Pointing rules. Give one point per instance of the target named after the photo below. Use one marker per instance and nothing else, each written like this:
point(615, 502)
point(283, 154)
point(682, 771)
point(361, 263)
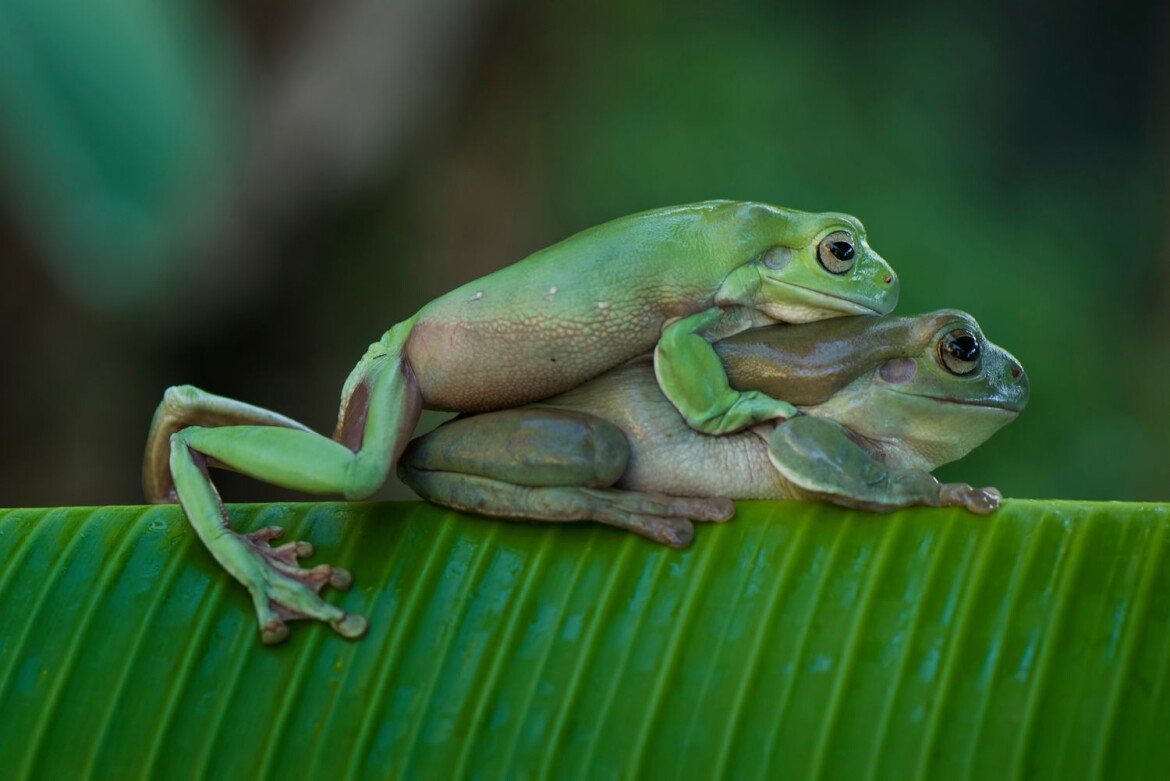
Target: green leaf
point(799, 640)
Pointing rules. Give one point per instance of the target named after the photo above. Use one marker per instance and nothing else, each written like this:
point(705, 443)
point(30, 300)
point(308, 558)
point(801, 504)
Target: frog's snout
point(1016, 383)
point(890, 288)
point(885, 285)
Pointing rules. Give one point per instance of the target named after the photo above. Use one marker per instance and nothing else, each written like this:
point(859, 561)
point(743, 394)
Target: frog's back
point(566, 313)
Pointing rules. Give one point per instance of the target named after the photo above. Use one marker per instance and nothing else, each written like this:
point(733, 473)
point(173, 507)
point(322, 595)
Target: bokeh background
point(242, 195)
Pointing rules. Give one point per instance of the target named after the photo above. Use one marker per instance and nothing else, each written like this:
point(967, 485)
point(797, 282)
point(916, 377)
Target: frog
point(884, 402)
point(532, 330)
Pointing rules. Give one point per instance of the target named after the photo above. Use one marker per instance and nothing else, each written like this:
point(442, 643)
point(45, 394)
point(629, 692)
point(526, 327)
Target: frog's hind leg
point(380, 404)
point(183, 406)
point(549, 465)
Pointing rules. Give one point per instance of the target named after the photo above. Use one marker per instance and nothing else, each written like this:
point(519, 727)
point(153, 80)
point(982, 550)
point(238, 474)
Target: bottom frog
point(885, 400)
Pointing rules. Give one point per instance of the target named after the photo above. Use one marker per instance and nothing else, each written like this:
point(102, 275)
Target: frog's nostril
point(1015, 372)
point(889, 280)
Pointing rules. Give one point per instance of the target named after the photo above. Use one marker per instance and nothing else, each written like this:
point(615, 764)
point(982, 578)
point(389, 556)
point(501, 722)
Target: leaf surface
point(799, 640)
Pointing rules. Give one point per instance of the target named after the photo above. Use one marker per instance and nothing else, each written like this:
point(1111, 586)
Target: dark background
point(243, 195)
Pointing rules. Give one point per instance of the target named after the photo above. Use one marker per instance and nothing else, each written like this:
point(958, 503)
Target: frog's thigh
point(819, 456)
point(546, 465)
point(535, 447)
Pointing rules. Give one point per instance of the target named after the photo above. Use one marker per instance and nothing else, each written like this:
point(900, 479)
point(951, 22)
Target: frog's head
point(806, 266)
point(931, 385)
point(944, 393)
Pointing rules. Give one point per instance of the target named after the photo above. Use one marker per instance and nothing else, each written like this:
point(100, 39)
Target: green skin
point(882, 409)
point(529, 331)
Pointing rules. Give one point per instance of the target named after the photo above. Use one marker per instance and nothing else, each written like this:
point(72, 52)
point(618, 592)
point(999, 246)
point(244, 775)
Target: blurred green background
point(243, 195)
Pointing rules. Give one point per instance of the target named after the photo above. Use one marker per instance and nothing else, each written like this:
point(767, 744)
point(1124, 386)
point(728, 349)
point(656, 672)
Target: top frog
point(534, 329)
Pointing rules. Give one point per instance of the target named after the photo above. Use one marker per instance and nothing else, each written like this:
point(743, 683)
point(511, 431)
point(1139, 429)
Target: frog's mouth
point(1008, 406)
point(814, 305)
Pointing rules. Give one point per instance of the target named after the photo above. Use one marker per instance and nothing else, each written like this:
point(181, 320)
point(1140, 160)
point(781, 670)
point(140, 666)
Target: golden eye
point(836, 252)
point(958, 352)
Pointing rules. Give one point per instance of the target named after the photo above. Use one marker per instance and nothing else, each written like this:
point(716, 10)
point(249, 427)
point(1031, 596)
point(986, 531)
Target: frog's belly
point(735, 466)
point(666, 455)
point(486, 365)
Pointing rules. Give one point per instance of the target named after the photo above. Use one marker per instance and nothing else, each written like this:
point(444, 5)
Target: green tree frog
point(885, 401)
point(531, 330)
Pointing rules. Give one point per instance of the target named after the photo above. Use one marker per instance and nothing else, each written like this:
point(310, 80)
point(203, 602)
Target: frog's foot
point(978, 500)
point(659, 517)
point(665, 519)
point(284, 591)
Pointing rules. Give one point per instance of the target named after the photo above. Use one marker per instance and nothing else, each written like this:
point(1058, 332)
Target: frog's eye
point(958, 351)
point(836, 252)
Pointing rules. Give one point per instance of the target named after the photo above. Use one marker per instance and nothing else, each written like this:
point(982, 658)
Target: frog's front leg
point(691, 375)
point(819, 456)
point(380, 405)
point(546, 464)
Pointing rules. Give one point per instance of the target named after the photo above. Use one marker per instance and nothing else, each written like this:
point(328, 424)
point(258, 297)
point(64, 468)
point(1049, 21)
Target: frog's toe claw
point(715, 509)
point(290, 552)
point(273, 631)
point(676, 532)
point(981, 501)
point(340, 579)
point(672, 532)
point(265, 534)
point(284, 591)
point(350, 626)
point(320, 575)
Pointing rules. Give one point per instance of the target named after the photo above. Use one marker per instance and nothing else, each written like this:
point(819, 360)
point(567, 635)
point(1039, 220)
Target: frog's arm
point(379, 401)
point(692, 376)
point(560, 466)
point(818, 455)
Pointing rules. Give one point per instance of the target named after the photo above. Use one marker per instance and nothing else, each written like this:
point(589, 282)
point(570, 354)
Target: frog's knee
point(393, 342)
point(566, 447)
point(611, 451)
point(178, 398)
point(364, 477)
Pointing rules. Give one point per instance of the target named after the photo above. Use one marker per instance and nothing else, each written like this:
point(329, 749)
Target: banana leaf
point(797, 641)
